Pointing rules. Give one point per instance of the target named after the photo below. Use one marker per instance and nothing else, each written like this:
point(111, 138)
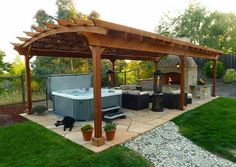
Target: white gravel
point(165, 146)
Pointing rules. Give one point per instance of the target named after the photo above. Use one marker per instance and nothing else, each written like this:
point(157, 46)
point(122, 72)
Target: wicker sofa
point(171, 100)
point(134, 99)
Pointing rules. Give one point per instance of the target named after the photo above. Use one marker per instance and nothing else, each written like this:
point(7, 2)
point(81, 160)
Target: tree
point(66, 9)
point(49, 65)
point(216, 30)
point(94, 15)
point(220, 32)
point(4, 67)
point(17, 67)
point(41, 17)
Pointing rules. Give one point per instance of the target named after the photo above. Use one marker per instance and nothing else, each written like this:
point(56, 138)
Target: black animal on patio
point(67, 121)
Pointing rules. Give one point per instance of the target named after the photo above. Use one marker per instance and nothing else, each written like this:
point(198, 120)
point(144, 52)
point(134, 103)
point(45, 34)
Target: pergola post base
point(182, 83)
point(28, 85)
point(98, 141)
point(214, 69)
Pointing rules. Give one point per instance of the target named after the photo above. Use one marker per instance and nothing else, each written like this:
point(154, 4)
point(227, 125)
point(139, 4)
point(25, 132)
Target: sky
point(17, 15)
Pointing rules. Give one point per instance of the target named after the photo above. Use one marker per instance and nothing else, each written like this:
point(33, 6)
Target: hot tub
point(78, 103)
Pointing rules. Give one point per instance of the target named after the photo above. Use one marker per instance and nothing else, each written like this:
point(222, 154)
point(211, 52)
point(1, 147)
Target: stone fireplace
point(170, 67)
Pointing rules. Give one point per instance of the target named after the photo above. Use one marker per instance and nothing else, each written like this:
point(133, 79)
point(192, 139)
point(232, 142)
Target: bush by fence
point(12, 89)
point(230, 76)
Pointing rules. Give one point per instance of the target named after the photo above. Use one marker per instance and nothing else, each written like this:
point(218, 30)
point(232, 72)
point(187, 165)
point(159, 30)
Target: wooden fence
point(229, 61)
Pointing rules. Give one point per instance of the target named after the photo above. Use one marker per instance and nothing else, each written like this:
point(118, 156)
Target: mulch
point(10, 114)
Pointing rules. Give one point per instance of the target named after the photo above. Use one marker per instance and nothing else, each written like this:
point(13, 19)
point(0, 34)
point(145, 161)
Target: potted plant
point(110, 130)
point(87, 131)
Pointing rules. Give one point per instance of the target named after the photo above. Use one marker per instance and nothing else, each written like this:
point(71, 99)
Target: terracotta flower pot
point(110, 134)
point(87, 135)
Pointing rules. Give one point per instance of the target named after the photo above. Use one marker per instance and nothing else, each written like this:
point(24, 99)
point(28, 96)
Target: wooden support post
point(125, 76)
point(98, 139)
point(28, 86)
point(22, 88)
point(155, 65)
point(214, 70)
point(182, 83)
point(114, 75)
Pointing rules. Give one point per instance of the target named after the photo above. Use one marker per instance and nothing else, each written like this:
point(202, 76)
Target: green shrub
point(230, 76)
point(39, 109)
point(86, 127)
point(35, 86)
point(109, 126)
point(208, 69)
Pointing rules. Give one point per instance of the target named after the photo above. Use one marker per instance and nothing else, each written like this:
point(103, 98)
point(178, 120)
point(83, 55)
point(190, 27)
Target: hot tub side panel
point(82, 110)
point(63, 106)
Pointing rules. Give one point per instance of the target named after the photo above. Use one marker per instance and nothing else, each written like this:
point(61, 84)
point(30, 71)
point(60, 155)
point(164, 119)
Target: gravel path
point(165, 146)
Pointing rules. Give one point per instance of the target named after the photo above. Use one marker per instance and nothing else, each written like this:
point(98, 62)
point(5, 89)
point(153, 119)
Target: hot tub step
point(114, 115)
point(110, 108)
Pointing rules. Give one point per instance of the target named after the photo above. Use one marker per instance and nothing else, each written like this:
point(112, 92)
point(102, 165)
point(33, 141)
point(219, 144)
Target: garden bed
point(9, 114)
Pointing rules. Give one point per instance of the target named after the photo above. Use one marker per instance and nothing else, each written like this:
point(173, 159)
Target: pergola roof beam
point(64, 22)
point(114, 42)
point(83, 22)
point(51, 25)
point(39, 29)
point(23, 39)
point(130, 30)
point(31, 34)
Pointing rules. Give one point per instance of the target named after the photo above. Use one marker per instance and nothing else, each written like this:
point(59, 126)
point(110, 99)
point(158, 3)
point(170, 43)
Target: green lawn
point(29, 144)
point(212, 126)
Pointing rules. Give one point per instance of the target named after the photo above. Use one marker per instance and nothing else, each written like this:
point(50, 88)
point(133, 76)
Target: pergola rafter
point(98, 40)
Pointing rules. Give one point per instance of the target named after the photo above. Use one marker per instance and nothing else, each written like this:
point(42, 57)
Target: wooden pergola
point(98, 40)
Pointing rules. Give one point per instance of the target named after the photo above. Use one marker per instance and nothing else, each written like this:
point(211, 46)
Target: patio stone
point(121, 127)
point(121, 136)
point(77, 137)
point(96, 149)
point(51, 126)
point(60, 131)
point(139, 127)
point(146, 118)
point(157, 122)
point(125, 122)
point(48, 122)
point(156, 114)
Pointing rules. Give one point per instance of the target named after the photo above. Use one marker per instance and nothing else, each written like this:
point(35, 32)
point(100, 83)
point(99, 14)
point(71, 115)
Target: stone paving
point(136, 123)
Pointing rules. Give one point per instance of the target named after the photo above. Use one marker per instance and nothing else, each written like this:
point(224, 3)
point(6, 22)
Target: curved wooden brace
point(96, 30)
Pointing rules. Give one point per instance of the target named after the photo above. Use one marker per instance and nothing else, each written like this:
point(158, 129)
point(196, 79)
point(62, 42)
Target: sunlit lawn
point(212, 126)
point(29, 144)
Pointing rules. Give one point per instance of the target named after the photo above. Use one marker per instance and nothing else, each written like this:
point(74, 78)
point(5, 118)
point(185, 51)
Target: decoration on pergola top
point(73, 37)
